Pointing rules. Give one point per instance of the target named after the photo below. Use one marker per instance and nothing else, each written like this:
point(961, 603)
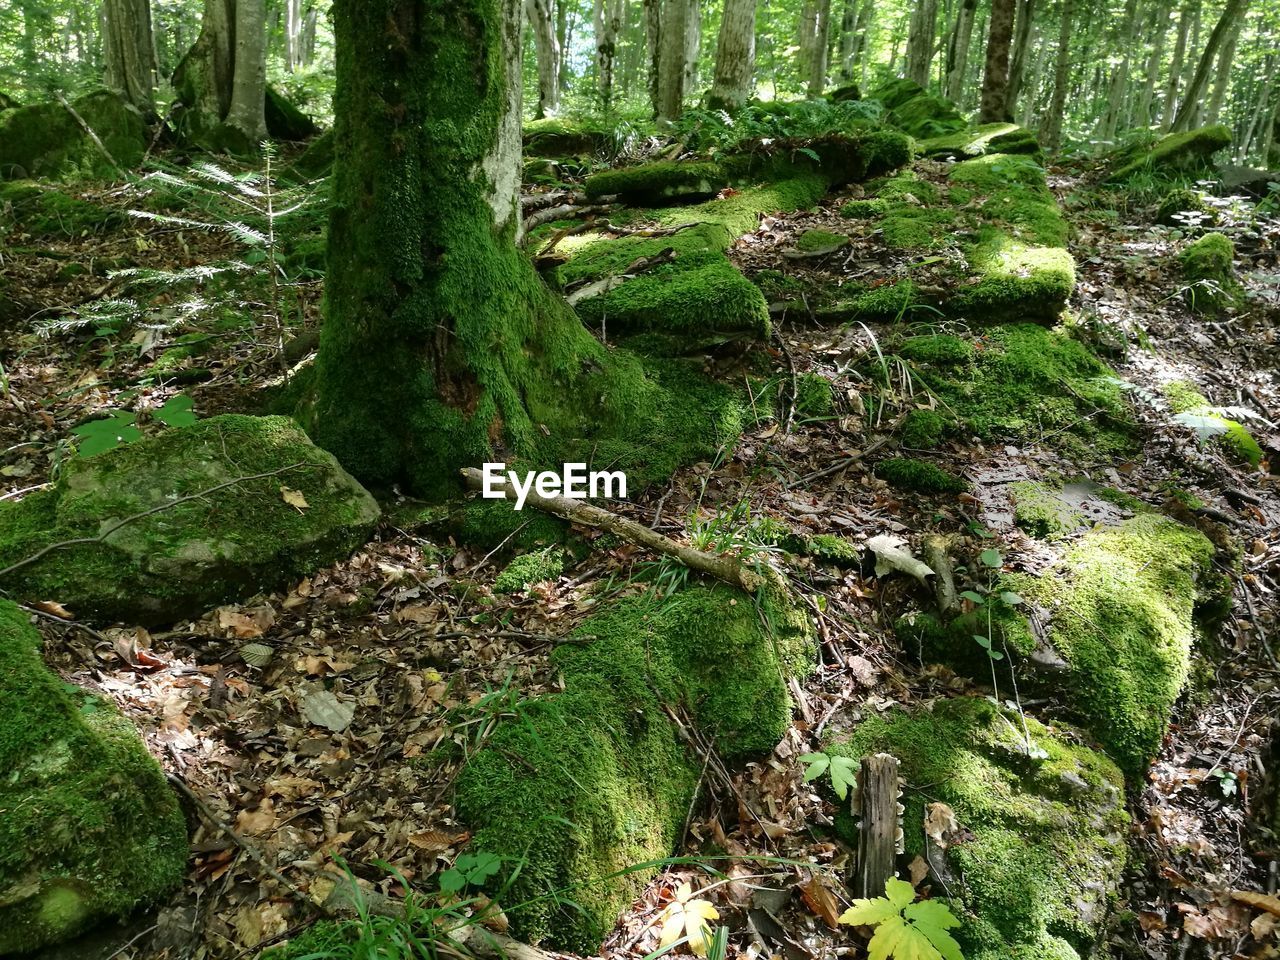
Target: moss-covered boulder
point(662, 181)
point(172, 525)
point(1037, 847)
point(566, 137)
point(918, 476)
point(1207, 266)
point(89, 829)
point(1188, 152)
point(1120, 608)
point(284, 120)
point(1008, 138)
point(926, 116)
point(1184, 207)
point(590, 782)
point(44, 139)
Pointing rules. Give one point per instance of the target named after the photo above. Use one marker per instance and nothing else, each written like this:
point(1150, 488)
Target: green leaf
point(914, 944)
point(843, 775)
point(995, 654)
point(974, 597)
point(815, 765)
point(176, 412)
point(888, 937)
point(1011, 598)
point(935, 913)
point(452, 880)
point(984, 642)
point(98, 436)
point(899, 892)
point(991, 558)
point(868, 913)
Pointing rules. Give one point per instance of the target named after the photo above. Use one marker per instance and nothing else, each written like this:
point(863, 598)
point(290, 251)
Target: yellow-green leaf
point(931, 912)
point(869, 912)
point(899, 892)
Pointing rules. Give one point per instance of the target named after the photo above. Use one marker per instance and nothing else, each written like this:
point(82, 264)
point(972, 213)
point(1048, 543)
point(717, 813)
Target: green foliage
point(528, 569)
point(904, 928)
point(469, 870)
point(918, 476)
point(842, 771)
point(99, 436)
point(702, 129)
point(1191, 409)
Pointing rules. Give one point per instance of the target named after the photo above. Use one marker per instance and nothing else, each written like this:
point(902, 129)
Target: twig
point(89, 130)
point(79, 541)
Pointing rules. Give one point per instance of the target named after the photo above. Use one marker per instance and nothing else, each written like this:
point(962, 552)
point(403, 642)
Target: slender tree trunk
point(1120, 79)
point(1257, 116)
point(848, 24)
point(1021, 50)
point(692, 46)
point(547, 49)
point(130, 52)
point(1051, 128)
point(562, 43)
point(818, 54)
point(246, 113)
point(608, 22)
point(921, 37)
point(1175, 67)
point(309, 36)
point(995, 77)
point(653, 46)
point(958, 50)
point(735, 55)
point(1222, 82)
point(672, 50)
point(1231, 13)
point(1161, 30)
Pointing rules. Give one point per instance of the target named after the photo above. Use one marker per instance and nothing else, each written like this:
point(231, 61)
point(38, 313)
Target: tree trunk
point(608, 23)
point(958, 50)
point(672, 51)
point(1175, 68)
point(653, 45)
point(1232, 13)
point(221, 82)
point(1051, 128)
point(130, 52)
point(848, 25)
point(818, 53)
point(735, 56)
point(1222, 81)
point(1161, 30)
point(920, 40)
point(547, 49)
point(247, 113)
point(995, 77)
point(692, 46)
point(1120, 79)
point(1021, 50)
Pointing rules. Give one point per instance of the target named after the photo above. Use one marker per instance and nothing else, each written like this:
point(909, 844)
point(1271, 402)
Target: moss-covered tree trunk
point(442, 347)
point(221, 81)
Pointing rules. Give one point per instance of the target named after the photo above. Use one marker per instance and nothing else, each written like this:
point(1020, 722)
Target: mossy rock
point(90, 829)
point(1207, 266)
point(845, 92)
point(1008, 138)
point(1040, 846)
point(42, 212)
point(182, 559)
point(1184, 207)
point(284, 120)
point(587, 783)
point(1193, 409)
point(659, 182)
point(896, 92)
point(566, 137)
point(1041, 511)
point(44, 140)
point(1121, 607)
point(887, 302)
point(1189, 151)
point(819, 242)
point(918, 476)
point(922, 430)
point(927, 116)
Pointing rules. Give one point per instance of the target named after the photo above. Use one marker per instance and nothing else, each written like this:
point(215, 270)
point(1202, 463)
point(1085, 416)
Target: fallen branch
point(89, 130)
point(722, 566)
point(566, 211)
point(598, 288)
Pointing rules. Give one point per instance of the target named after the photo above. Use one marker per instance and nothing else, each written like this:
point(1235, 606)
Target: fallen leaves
point(687, 917)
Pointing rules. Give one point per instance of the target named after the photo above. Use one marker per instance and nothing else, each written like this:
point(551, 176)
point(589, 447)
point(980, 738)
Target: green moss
point(1207, 268)
point(918, 476)
point(888, 301)
point(657, 182)
point(940, 350)
point(1177, 203)
point(896, 92)
point(44, 212)
point(1016, 281)
point(814, 398)
point(917, 228)
point(45, 140)
point(187, 555)
point(1031, 383)
point(1185, 400)
point(1041, 850)
point(1009, 138)
point(922, 430)
point(90, 829)
point(1187, 151)
point(530, 568)
point(777, 286)
point(1040, 510)
point(489, 524)
point(592, 781)
point(814, 240)
point(829, 548)
point(567, 136)
point(925, 115)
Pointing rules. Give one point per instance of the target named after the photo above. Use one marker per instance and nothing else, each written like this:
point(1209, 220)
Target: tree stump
point(877, 805)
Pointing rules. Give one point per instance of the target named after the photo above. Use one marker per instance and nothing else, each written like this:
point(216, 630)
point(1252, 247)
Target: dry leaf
point(1259, 901)
point(821, 901)
point(54, 609)
point(918, 870)
point(322, 708)
point(259, 820)
point(940, 823)
point(294, 498)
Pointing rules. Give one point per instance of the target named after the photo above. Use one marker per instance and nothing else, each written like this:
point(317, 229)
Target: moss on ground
point(90, 829)
point(1183, 207)
point(187, 555)
point(43, 212)
point(815, 241)
point(926, 115)
point(1190, 150)
point(567, 136)
point(1185, 400)
point(1028, 382)
point(1040, 510)
point(658, 182)
point(814, 397)
point(1207, 266)
point(588, 783)
point(1040, 848)
point(1008, 138)
point(918, 476)
point(530, 568)
point(922, 430)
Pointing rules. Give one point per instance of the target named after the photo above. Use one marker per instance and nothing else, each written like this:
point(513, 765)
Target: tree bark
point(995, 78)
point(130, 52)
point(818, 53)
point(1021, 50)
point(848, 25)
point(958, 50)
point(1160, 28)
point(1051, 128)
point(672, 51)
point(653, 46)
point(1222, 82)
point(877, 807)
point(1175, 67)
point(221, 81)
point(735, 56)
point(547, 48)
point(920, 40)
point(1231, 13)
point(608, 23)
point(247, 113)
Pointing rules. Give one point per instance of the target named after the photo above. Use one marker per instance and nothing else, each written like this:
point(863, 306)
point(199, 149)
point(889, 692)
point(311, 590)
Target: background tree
point(221, 82)
point(995, 77)
point(735, 55)
point(130, 52)
point(542, 25)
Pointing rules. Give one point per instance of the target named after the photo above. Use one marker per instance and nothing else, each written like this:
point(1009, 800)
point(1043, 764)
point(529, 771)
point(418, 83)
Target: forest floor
point(412, 634)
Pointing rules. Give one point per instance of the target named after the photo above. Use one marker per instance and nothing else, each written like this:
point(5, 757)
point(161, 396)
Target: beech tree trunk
point(819, 50)
point(221, 82)
point(1051, 128)
point(1232, 13)
point(608, 23)
point(673, 45)
point(1160, 28)
point(1021, 50)
point(920, 40)
point(1222, 82)
point(130, 52)
point(1119, 87)
point(958, 50)
point(848, 26)
point(1175, 67)
point(995, 77)
point(547, 48)
point(735, 56)
point(653, 48)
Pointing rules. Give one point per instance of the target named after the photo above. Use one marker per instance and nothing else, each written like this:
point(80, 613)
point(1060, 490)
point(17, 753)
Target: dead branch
point(97, 142)
point(600, 287)
point(722, 566)
point(566, 211)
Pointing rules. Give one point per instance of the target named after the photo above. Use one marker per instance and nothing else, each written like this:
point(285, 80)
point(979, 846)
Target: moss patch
point(1191, 150)
point(1007, 138)
point(1184, 207)
point(657, 182)
point(90, 828)
point(918, 476)
point(1194, 409)
point(1207, 268)
point(814, 397)
point(42, 212)
point(44, 140)
point(1040, 510)
point(530, 568)
point(185, 558)
point(1040, 849)
point(922, 430)
point(594, 780)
